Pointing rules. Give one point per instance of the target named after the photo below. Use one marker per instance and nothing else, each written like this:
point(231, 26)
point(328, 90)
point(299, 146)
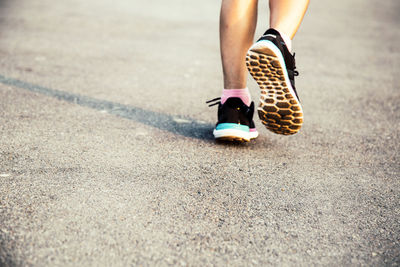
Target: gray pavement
point(107, 157)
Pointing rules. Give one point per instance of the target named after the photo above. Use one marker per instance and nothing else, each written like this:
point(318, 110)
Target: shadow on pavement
point(175, 124)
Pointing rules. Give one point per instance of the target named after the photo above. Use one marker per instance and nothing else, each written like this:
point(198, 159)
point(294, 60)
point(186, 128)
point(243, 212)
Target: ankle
point(287, 41)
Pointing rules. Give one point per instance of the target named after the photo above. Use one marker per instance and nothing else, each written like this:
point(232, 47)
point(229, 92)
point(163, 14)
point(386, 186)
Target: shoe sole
point(232, 135)
point(279, 109)
point(253, 135)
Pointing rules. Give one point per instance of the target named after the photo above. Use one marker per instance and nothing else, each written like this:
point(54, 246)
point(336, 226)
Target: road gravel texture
point(106, 149)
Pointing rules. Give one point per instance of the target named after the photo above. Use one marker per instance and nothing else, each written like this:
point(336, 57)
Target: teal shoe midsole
point(232, 126)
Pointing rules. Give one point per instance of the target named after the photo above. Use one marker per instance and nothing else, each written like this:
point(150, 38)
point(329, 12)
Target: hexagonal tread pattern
point(278, 110)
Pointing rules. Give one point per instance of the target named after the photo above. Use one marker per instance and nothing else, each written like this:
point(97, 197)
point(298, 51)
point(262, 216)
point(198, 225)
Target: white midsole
point(231, 133)
point(253, 135)
point(270, 45)
point(235, 133)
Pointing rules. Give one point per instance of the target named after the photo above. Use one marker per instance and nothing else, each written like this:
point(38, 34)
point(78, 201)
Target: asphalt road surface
point(107, 156)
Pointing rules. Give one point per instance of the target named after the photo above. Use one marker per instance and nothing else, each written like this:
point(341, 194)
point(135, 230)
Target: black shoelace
point(214, 101)
point(295, 72)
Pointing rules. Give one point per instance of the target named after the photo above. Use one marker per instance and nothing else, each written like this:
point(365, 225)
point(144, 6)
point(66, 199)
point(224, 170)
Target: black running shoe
point(235, 120)
point(273, 67)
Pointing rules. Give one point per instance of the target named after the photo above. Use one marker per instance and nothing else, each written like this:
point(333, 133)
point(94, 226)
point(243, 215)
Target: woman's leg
point(286, 15)
point(238, 21)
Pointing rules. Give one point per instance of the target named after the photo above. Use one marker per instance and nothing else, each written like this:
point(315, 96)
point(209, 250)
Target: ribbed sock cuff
point(243, 94)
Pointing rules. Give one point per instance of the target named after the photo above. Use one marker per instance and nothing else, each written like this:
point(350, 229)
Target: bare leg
point(238, 21)
point(286, 15)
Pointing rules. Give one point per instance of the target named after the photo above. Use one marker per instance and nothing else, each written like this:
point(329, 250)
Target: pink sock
point(287, 41)
point(241, 93)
